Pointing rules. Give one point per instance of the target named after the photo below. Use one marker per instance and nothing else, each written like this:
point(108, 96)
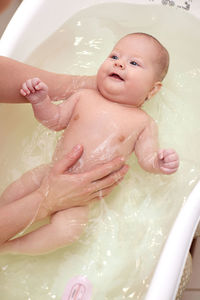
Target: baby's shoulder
point(142, 119)
point(148, 120)
point(141, 115)
point(149, 123)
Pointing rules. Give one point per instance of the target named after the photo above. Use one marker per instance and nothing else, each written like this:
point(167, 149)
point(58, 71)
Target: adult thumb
point(68, 160)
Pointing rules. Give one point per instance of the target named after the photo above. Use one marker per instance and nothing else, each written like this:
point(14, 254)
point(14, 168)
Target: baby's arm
point(55, 117)
point(149, 156)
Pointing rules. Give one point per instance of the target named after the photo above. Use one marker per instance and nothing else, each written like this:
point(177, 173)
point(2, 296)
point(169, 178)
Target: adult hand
point(61, 189)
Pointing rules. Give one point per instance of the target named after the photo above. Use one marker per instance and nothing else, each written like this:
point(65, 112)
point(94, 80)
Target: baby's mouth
point(116, 76)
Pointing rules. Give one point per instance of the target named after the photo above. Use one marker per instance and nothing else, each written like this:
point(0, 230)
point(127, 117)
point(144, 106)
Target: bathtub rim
point(171, 256)
point(29, 11)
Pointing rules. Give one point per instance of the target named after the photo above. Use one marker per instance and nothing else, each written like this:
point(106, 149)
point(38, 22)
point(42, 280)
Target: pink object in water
point(78, 288)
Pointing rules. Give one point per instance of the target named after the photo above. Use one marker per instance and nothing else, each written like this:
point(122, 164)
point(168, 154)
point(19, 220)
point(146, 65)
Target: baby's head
point(134, 70)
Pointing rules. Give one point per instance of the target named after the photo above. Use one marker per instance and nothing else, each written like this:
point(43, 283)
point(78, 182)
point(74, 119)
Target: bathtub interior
point(132, 222)
point(31, 14)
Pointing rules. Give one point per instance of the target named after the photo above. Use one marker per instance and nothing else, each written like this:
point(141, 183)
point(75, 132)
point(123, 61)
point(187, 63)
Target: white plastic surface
point(33, 22)
point(168, 273)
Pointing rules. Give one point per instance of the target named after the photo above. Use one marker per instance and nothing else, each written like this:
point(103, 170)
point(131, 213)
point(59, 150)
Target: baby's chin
point(114, 96)
point(108, 95)
point(110, 92)
point(117, 97)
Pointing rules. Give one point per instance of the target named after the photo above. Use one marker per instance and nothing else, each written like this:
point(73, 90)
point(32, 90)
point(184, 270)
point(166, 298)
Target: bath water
point(126, 232)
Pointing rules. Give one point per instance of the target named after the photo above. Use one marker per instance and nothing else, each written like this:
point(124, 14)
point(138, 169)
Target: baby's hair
point(163, 57)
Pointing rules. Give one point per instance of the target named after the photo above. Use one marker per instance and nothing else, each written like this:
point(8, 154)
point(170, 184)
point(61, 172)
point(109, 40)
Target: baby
point(108, 122)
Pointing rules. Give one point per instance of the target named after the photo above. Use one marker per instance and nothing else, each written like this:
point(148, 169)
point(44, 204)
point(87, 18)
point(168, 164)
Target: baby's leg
point(65, 227)
point(26, 184)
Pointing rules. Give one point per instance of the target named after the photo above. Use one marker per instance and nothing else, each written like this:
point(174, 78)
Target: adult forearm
point(14, 73)
point(4, 4)
point(17, 215)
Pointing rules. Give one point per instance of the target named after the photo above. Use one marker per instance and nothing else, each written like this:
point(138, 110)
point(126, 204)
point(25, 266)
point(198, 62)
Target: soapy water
point(121, 245)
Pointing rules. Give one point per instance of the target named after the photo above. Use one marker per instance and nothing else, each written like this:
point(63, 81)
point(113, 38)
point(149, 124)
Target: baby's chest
point(101, 123)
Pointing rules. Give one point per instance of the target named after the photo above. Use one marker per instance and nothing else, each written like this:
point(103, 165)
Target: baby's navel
point(76, 117)
point(121, 138)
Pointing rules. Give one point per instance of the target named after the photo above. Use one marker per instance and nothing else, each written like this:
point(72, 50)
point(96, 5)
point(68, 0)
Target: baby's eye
point(133, 62)
point(114, 57)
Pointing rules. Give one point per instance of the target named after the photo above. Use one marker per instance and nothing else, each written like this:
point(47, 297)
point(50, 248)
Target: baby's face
point(128, 75)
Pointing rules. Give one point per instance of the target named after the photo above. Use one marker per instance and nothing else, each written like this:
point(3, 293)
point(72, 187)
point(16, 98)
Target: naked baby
point(108, 122)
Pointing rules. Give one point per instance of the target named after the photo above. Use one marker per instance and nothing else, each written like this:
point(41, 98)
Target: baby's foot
point(34, 90)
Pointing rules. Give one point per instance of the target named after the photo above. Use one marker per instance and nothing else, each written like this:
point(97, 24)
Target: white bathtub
point(23, 34)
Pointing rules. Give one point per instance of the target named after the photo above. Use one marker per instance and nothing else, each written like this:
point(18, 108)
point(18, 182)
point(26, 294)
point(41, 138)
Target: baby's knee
point(70, 223)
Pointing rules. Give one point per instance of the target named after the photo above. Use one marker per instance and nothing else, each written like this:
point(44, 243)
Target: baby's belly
point(97, 149)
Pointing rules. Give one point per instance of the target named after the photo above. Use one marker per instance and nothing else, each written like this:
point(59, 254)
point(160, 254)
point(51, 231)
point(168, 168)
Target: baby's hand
point(168, 161)
point(34, 90)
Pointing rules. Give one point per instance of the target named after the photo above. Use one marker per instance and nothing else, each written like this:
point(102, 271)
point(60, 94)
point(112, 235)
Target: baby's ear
point(155, 89)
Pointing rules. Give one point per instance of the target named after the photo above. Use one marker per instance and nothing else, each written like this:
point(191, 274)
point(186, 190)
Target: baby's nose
point(119, 64)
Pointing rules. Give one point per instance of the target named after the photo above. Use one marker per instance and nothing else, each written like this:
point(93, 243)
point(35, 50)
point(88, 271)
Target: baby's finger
point(171, 165)
point(160, 154)
point(22, 92)
point(35, 81)
point(168, 171)
point(168, 151)
point(38, 86)
point(30, 85)
point(171, 157)
point(25, 88)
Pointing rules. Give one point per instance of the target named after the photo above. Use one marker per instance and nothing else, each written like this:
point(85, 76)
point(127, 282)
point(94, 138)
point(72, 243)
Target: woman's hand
point(61, 189)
